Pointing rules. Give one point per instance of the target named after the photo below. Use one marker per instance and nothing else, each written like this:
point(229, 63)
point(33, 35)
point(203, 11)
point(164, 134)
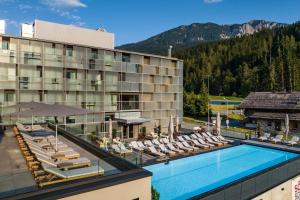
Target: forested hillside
point(265, 61)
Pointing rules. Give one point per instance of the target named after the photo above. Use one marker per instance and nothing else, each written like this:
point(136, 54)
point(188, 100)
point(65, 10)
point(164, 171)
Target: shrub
point(154, 194)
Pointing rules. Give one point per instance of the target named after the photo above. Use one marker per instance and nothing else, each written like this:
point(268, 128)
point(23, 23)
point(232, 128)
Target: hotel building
point(54, 63)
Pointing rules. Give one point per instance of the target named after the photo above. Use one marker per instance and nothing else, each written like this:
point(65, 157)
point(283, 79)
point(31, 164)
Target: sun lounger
point(293, 141)
point(165, 140)
point(74, 173)
point(209, 134)
point(187, 138)
point(193, 136)
point(264, 137)
point(172, 148)
point(197, 144)
point(124, 149)
point(72, 162)
point(277, 138)
point(205, 135)
point(224, 139)
point(153, 151)
point(180, 138)
point(141, 145)
point(209, 140)
point(165, 150)
point(180, 146)
point(135, 146)
point(214, 138)
point(148, 143)
point(152, 135)
point(199, 135)
point(201, 141)
point(156, 142)
point(189, 146)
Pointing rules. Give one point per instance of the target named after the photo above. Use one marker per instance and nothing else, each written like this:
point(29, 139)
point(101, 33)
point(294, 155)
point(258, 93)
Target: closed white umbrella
point(177, 124)
point(110, 129)
point(287, 126)
point(218, 124)
point(171, 128)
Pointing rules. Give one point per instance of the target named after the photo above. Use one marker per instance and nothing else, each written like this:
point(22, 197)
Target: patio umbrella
point(171, 128)
point(177, 124)
point(218, 124)
point(110, 129)
point(287, 126)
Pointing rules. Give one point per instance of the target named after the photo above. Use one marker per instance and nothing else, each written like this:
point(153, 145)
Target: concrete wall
point(283, 191)
point(140, 188)
point(71, 34)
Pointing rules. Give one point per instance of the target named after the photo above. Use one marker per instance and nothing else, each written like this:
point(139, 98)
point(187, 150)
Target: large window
point(9, 96)
point(5, 43)
point(69, 51)
point(125, 57)
point(129, 102)
point(71, 74)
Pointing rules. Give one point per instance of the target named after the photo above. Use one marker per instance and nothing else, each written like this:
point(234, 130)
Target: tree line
point(265, 61)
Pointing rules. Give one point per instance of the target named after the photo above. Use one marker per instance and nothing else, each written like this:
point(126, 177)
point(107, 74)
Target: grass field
point(219, 108)
point(230, 98)
point(193, 121)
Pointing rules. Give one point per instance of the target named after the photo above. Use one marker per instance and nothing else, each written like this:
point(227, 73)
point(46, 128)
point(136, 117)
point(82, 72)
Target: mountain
point(268, 60)
point(191, 35)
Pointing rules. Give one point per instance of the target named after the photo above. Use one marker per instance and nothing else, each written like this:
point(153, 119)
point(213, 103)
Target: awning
point(47, 110)
point(129, 121)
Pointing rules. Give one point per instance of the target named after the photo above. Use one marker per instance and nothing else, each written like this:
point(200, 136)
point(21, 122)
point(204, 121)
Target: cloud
point(75, 18)
point(64, 3)
point(24, 7)
point(212, 1)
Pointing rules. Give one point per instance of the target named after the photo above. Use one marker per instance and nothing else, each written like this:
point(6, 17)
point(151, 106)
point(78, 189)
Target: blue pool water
point(191, 176)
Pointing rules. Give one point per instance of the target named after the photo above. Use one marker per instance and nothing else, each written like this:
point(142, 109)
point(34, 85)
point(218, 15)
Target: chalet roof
point(270, 100)
point(274, 115)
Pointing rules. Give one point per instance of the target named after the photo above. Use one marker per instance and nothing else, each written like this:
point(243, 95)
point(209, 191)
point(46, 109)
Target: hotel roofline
point(94, 47)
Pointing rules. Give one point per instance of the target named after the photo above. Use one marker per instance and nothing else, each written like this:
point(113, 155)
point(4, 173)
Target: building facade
point(269, 110)
point(137, 91)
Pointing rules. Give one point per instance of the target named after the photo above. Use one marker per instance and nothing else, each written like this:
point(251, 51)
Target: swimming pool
point(191, 176)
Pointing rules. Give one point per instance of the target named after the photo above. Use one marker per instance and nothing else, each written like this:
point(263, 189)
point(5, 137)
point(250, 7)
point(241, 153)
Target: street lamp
point(227, 119)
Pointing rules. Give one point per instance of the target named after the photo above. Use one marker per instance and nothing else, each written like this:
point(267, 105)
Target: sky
point(136, 20)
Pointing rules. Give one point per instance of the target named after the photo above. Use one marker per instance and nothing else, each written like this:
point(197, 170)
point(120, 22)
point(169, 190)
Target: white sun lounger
point(148, 143)
point(264, 137)
point(199, 135)
point(277, 138)
point(189, 146)
point(153, 151)
point(172, 148)
point(156, 142)
point(180, 138)
point(201, 141)
point(180, 146)
point(187, 138)
point(214, 138)
point(197, 144)
point(193, 136)
point(224, 139)
point(135, 146)
point(209, 140)
point(209, 134)
point(124, 149)
point(74, 173)
point(141, 145)
point(165, 150)
point(205, 135)
point(293, 141)
point(74, 162)
point(165, 140)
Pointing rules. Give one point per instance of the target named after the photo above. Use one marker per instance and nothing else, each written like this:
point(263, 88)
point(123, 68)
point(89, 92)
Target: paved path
point(14, 174)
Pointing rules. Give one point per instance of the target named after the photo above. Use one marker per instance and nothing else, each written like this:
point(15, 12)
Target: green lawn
point(236, 117)
point(219, 108)
point(230, 98)
point(193, 121)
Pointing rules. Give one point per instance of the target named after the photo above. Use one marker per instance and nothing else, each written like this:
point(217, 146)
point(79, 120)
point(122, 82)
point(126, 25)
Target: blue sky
point(135, 20)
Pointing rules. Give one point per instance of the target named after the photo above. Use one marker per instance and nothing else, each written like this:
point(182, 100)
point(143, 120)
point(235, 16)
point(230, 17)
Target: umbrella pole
point(31, 122)
point(56, 137)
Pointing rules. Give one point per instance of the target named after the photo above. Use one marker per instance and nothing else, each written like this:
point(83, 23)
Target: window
point(175, 97)
point(40, 96)
point(71, 74)
point(125, 57)
point(174, 63)
point(151, 78)
point(92, 64)
point(5, 43)
point(94, 53)
point(147, 60)
point(138, 68)
point(40, 71)
point(69, 51)
point(122, 77)
point(9, 96)
point(157, 70)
